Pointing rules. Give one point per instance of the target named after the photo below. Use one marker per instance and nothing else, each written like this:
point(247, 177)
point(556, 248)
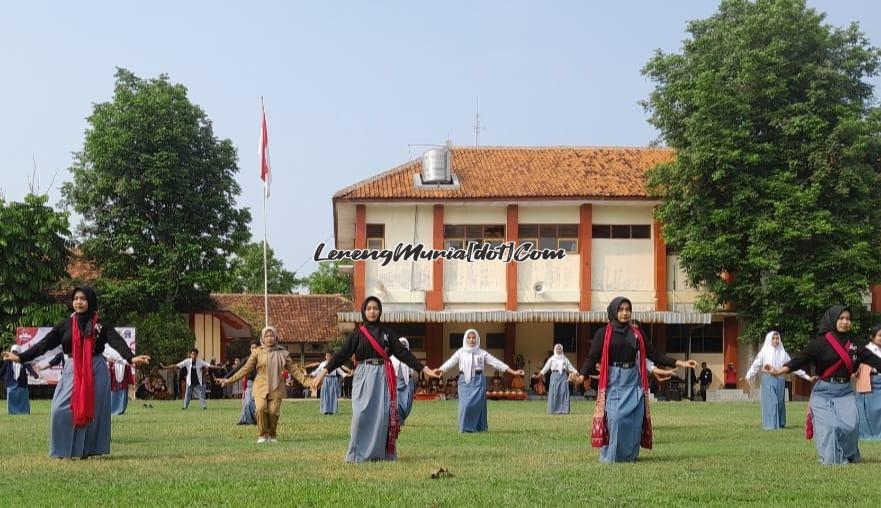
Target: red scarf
point(83, 398)
point(599, 435)
point(394, 422)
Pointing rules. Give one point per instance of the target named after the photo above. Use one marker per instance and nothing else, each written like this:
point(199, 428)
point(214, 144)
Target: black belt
point(476, 372)
point(374, 361)
point(837, 380)
point(624, 365)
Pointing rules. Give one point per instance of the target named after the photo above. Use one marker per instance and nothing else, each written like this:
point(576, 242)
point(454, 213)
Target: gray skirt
point(625, 408)
point(330, 391)
point(65, 440)
point(249, 408)
point(558, 395)
point(118, 401)
point(869, 407)
point(836, 429)
point(472, 404)
point(370, 418)
point(773, 402)
point(405, 398)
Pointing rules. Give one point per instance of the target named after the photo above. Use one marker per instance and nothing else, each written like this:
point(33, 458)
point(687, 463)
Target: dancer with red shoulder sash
point(832, 411)
point(375, 419)
point(79, 420)
point(622, 420)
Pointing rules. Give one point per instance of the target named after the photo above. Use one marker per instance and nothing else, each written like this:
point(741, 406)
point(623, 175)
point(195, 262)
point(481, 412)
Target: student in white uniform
point(773, 400)
point(471, 362)
point(558, 391)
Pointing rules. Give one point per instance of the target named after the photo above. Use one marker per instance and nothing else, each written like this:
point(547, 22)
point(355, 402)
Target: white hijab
point(559, 360)
point(466, 354)
point(401, 368)
point(775, 356)
point(16, 367)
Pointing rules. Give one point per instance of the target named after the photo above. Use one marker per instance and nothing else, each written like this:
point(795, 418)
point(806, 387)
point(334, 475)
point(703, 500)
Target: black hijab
point(873, 331)
point(612, 311)
point(84, 320)
point(372, 326)
point(829, 320)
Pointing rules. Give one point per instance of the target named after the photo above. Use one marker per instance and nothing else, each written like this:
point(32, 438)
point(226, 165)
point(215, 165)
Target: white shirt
point(338, 372)
point(187, 364)
point(477, 361)
point(558, 365)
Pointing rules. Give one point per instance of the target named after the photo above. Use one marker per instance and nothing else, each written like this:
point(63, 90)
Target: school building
point(590, 202)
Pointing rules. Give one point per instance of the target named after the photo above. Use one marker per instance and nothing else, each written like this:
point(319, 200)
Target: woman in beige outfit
point(268, 390)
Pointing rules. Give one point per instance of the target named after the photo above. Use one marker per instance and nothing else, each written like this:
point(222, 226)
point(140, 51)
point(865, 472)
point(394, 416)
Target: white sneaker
point(261, 439)
point(273, 440)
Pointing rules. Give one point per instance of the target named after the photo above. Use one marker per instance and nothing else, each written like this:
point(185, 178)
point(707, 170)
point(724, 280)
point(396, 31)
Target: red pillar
point(359, 277)
point(585, 238)
point(730, 331)
point(876, 298)
point(434, 300)
point(511, 233)
point(434, 344)
point(510, 343)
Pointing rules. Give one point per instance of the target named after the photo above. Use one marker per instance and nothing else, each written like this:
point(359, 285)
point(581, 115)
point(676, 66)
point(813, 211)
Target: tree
point(327, 279)
point(156, 191)
point(775, 179)
point(33, 258)
point(246, 272)
point(163, 334)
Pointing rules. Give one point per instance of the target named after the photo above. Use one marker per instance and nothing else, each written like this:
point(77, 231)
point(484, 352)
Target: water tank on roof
point(437, 166)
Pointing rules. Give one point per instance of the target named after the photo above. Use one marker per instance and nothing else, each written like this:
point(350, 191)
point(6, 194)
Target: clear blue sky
point(347, 85)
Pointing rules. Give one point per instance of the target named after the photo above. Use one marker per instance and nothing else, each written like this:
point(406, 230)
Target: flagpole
point(265, 275)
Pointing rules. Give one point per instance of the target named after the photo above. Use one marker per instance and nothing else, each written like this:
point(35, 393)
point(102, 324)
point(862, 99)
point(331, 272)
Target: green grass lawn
point(706, 454)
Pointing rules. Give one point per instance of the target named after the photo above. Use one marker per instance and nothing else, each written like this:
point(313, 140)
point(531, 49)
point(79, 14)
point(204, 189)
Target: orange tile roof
point(524, 173)
point(298, 318)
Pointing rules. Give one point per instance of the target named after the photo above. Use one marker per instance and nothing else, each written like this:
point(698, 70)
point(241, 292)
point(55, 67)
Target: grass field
point(706, 454)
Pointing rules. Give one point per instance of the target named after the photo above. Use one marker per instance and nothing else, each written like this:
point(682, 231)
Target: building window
point(376, 236)
point(550, 236)
point(495, 341)
point(490, 341)
point(413, 332)
point(704, 338)
point(622, 231)
point(459, 236)
point(566, 334)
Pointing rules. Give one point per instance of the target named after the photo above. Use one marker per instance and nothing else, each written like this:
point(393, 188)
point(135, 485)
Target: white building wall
point(480, 282)
point(401, 284)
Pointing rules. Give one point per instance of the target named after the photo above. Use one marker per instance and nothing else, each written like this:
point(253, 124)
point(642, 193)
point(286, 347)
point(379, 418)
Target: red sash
point(394, 423)
point(599, 435)
point(83, 398)
point(843, 359)
point(842, 354)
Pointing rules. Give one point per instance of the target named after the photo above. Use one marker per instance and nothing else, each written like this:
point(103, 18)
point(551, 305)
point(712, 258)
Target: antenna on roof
point(477, 125)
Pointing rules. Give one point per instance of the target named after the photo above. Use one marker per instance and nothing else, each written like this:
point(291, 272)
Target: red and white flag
point(263, 153)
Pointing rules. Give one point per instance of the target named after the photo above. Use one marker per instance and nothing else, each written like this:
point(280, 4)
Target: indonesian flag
point(263, 154)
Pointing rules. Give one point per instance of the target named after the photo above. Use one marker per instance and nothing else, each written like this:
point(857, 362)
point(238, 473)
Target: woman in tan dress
point(268, 390)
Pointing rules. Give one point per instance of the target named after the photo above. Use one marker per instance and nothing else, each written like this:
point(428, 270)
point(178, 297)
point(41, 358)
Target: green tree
point(156, 190)
point(327, 279)
point(246, 272)
point(164, 335)
point(33, 258)
point(776, 177)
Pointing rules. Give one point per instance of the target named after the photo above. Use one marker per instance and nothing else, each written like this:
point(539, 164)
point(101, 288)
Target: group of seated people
point(153, 387)
point(448, 388)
